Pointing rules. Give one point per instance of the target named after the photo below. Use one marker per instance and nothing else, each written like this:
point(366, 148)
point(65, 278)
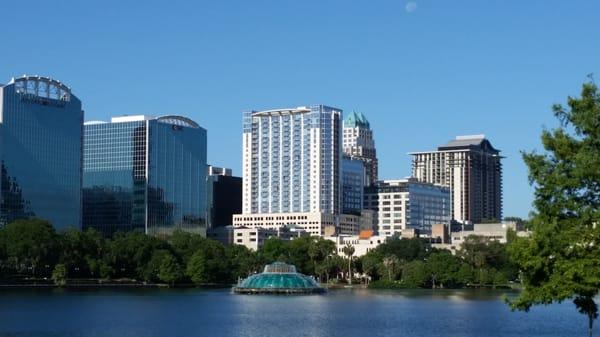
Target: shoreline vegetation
point(33, 254)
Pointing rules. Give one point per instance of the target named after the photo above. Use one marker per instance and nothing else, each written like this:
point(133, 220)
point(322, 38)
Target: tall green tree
point(443, 268)
point(129, 253)
point(59, 275)
point(31, 245)
point(185, 244)
point(169, 270)
point(299, 253)
point(561, 260)
point(319, 251)
point(3, 255)
point(209, 264)
point(274, 249)
point(348, 250)
point(391, 264)
point(242, 260)
point(414, 274)
point(81, 252)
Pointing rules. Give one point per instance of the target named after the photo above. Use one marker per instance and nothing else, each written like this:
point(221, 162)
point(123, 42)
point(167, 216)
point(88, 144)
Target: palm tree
point(390, 262)
point(348, 250)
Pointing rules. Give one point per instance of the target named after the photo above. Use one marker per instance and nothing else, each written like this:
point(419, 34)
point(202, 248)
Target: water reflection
point(340, 313)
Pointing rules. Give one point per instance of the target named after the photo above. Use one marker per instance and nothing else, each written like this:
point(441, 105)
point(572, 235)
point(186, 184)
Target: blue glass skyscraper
point(41, 124)
point(353, 182)
point(144, 173)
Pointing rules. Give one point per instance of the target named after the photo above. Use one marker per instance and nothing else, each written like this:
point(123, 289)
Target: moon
point(411, 6)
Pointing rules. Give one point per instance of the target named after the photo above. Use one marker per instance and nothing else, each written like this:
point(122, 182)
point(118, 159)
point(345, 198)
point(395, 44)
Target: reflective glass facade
point(147, 174)
point(353, 181)
point(408, 204)
point(224, 199)
point(41, 124)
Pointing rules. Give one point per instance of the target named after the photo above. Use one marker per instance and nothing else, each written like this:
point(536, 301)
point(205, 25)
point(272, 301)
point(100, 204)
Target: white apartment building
point(407, 204)
point(292, 160)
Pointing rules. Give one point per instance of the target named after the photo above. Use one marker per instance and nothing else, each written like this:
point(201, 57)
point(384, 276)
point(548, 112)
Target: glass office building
point(408, 204)
point(41, 124)
point(223, 197)
point(292, 160)
point(353, 182)
point(144, 173)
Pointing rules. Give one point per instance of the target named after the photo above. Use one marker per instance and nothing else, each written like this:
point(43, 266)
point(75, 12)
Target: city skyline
point(432, 71)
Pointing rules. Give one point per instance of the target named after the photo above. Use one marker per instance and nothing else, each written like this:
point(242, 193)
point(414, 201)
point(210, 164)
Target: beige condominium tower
point(471, 167)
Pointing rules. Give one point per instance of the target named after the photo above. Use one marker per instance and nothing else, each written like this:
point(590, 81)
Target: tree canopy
point(561, 260)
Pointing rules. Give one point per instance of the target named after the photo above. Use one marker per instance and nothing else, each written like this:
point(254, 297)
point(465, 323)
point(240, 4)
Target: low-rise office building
point(362, 243)
point(252, 237)
point(316, 224)
point(452, 237)
point(349, 224)
point(407, 204)
point(313, 223)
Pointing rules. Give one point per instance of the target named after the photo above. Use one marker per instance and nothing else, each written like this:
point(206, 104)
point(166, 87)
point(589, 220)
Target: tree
point(3, 255)
point(185, 244)
point(169, 270)
point(371, 263)
point(209, 264)
point(320, 250)
point(348, 250)
point(81, 252)
point(299, 254)
point(59, 275)
point(405, 249)
point(128, 253)
point(274, 249)
point(151, 271)
point(481, 253)
point(443, 268)
point(243, 261)
point(31, 244)
point(391, 263)
point(561, 259)
point(414, 274)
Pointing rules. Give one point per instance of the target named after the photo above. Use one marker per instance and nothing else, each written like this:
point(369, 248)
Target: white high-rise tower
point(291, 160)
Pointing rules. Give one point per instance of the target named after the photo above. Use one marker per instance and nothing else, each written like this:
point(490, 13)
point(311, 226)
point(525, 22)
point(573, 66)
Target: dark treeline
point(414, 264)
point(32, 250)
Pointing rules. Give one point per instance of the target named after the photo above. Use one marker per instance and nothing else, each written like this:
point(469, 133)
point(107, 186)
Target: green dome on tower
point(356, 119)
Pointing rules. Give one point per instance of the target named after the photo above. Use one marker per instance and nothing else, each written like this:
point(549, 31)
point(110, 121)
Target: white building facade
point(292, 160)
point(313, 223)
point(362, 244)
point(407, 204)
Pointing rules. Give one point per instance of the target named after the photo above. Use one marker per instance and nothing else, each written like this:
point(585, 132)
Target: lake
point(343, 313)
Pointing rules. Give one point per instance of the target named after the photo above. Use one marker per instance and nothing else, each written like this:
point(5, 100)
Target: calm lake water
point(343, 313)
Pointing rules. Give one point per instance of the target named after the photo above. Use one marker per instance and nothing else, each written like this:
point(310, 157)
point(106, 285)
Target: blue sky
point(422, 71)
